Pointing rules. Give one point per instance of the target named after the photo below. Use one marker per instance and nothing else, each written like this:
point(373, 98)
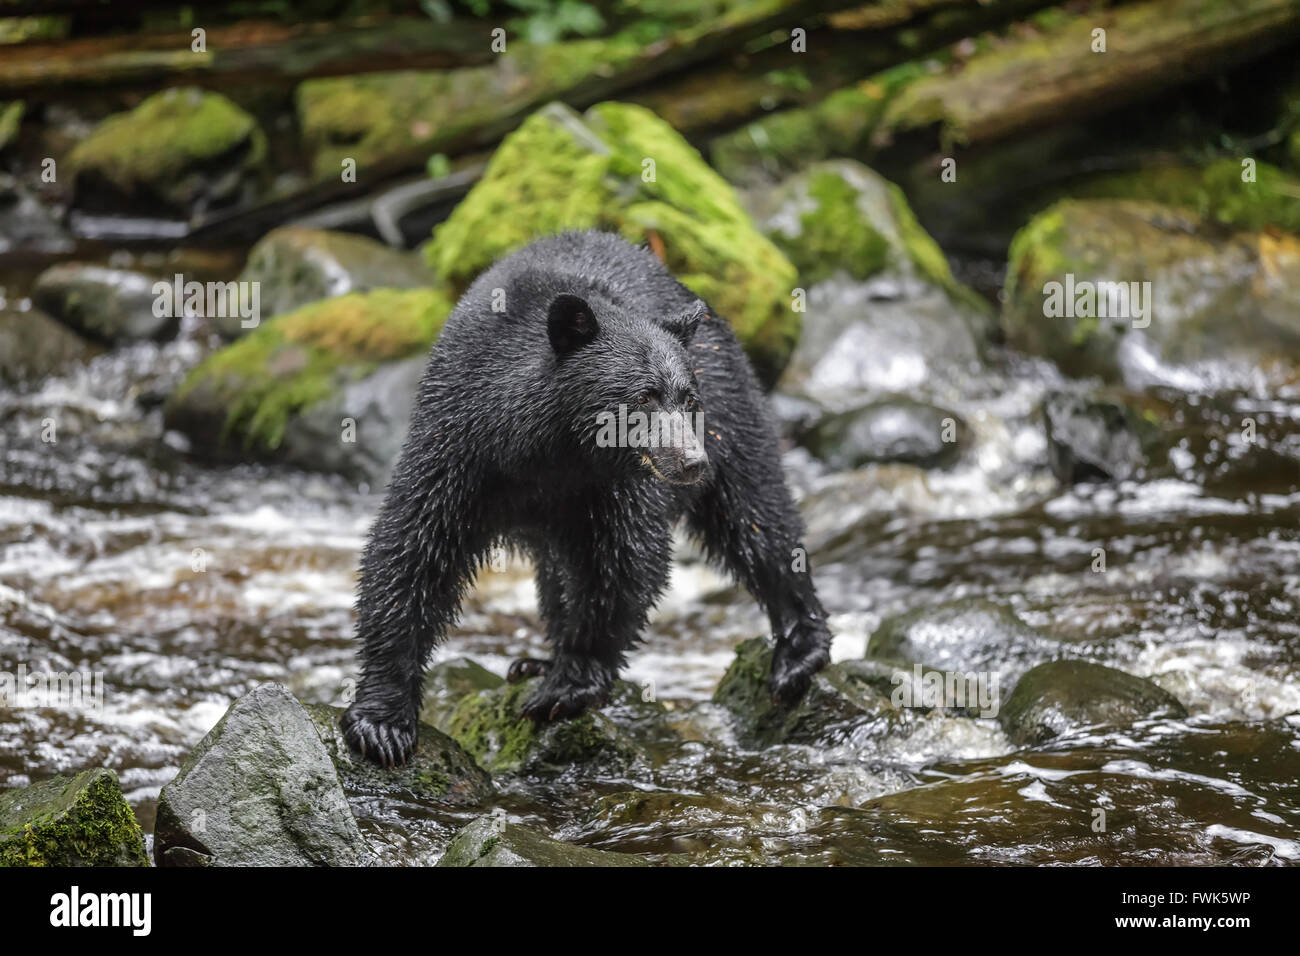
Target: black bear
point(511, 444)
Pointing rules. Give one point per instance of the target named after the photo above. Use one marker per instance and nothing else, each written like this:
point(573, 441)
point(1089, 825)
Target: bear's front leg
point(420, 558)
point(595, 591)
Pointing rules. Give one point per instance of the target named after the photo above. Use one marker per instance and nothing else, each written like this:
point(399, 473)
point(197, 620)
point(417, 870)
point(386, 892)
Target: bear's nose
point(694, 463)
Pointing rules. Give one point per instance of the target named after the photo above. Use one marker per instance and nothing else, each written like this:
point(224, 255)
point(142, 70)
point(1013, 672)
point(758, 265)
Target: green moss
point(298, 359)
point(1036, 251)
point(167, 135)
point(489, 726)
point(11, 117)
point(82, 821)
point(373, 116)
point(522, 196)
point(833, 234)
point(842, 124)
point(1216, 192)
point(558, 173)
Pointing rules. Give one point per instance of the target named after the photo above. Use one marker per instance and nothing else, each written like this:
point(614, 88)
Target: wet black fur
point(501, 450)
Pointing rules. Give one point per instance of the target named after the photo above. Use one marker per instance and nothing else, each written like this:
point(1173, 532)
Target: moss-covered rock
point(33, 345)
point(842, 215)
point(1220, 192)
point(843, 699)
point(620, 168)
point(284, 390)
point(448, 683)
point(1185, 304)
point(1063, 696)
point(260, 789)
point(491, 841)
point(11, 117)
point(439, 772)
point(489, 725)
point(882, 305)
point(180, 150)
point(70, 821)
point(295, 266)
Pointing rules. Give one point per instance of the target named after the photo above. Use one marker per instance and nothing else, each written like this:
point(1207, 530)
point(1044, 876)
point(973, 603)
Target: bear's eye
point(644, 398)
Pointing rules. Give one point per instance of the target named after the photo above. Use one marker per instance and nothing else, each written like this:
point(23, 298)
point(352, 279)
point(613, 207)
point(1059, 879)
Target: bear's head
point(634, 396)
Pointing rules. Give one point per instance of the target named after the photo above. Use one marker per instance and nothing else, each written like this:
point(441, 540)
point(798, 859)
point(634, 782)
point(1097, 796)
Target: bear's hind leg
point(608, 585)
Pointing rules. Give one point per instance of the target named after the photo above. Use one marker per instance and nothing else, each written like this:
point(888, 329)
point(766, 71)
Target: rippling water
point(187, 585)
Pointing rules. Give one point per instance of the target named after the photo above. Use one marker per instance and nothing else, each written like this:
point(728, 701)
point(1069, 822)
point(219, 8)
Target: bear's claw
point(389, 744)
point(525, 668)
point(798, 656)
point(554, 703)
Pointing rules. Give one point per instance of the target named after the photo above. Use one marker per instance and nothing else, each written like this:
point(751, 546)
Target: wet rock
point(965, 636)
point(27, 223)
point(107, 305)
point(179, 152)
point(1184, 303)
point(449, 682)
point(439, 771)
point(295, 266)
point(1062, 696)
point(328, 386)
point(70, 821)
point(843, 700)
point(488, 724)
point(33, 345)
point(491, 841)
point(561, 170)
point(1095, 439)
point(884, 314)
point(897, 429)
point(259, 790)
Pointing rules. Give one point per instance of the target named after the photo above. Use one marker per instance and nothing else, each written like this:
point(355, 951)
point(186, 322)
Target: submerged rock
point(969, 635)
point(491, 841)
point(33, 346)
point(439, 771)
point(108, 305)
point(563, 171)
point(449, 682)
point(488, 724)
point(897, 429)
point(180, 151)
point(1145, 294)
point(1066, 695)
point(70, 821)
point(328, 386)
point(259, 790)
point(295, 266)
point(843, 699)
point(1092, 439)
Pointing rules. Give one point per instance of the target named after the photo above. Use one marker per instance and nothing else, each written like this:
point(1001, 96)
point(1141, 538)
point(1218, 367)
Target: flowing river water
point(185, 585)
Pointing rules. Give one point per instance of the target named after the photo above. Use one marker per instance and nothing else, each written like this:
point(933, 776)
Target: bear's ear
point(682, 326)
point(570, 323)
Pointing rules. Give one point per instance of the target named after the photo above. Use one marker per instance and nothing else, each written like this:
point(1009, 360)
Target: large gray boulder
point(258, 790)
